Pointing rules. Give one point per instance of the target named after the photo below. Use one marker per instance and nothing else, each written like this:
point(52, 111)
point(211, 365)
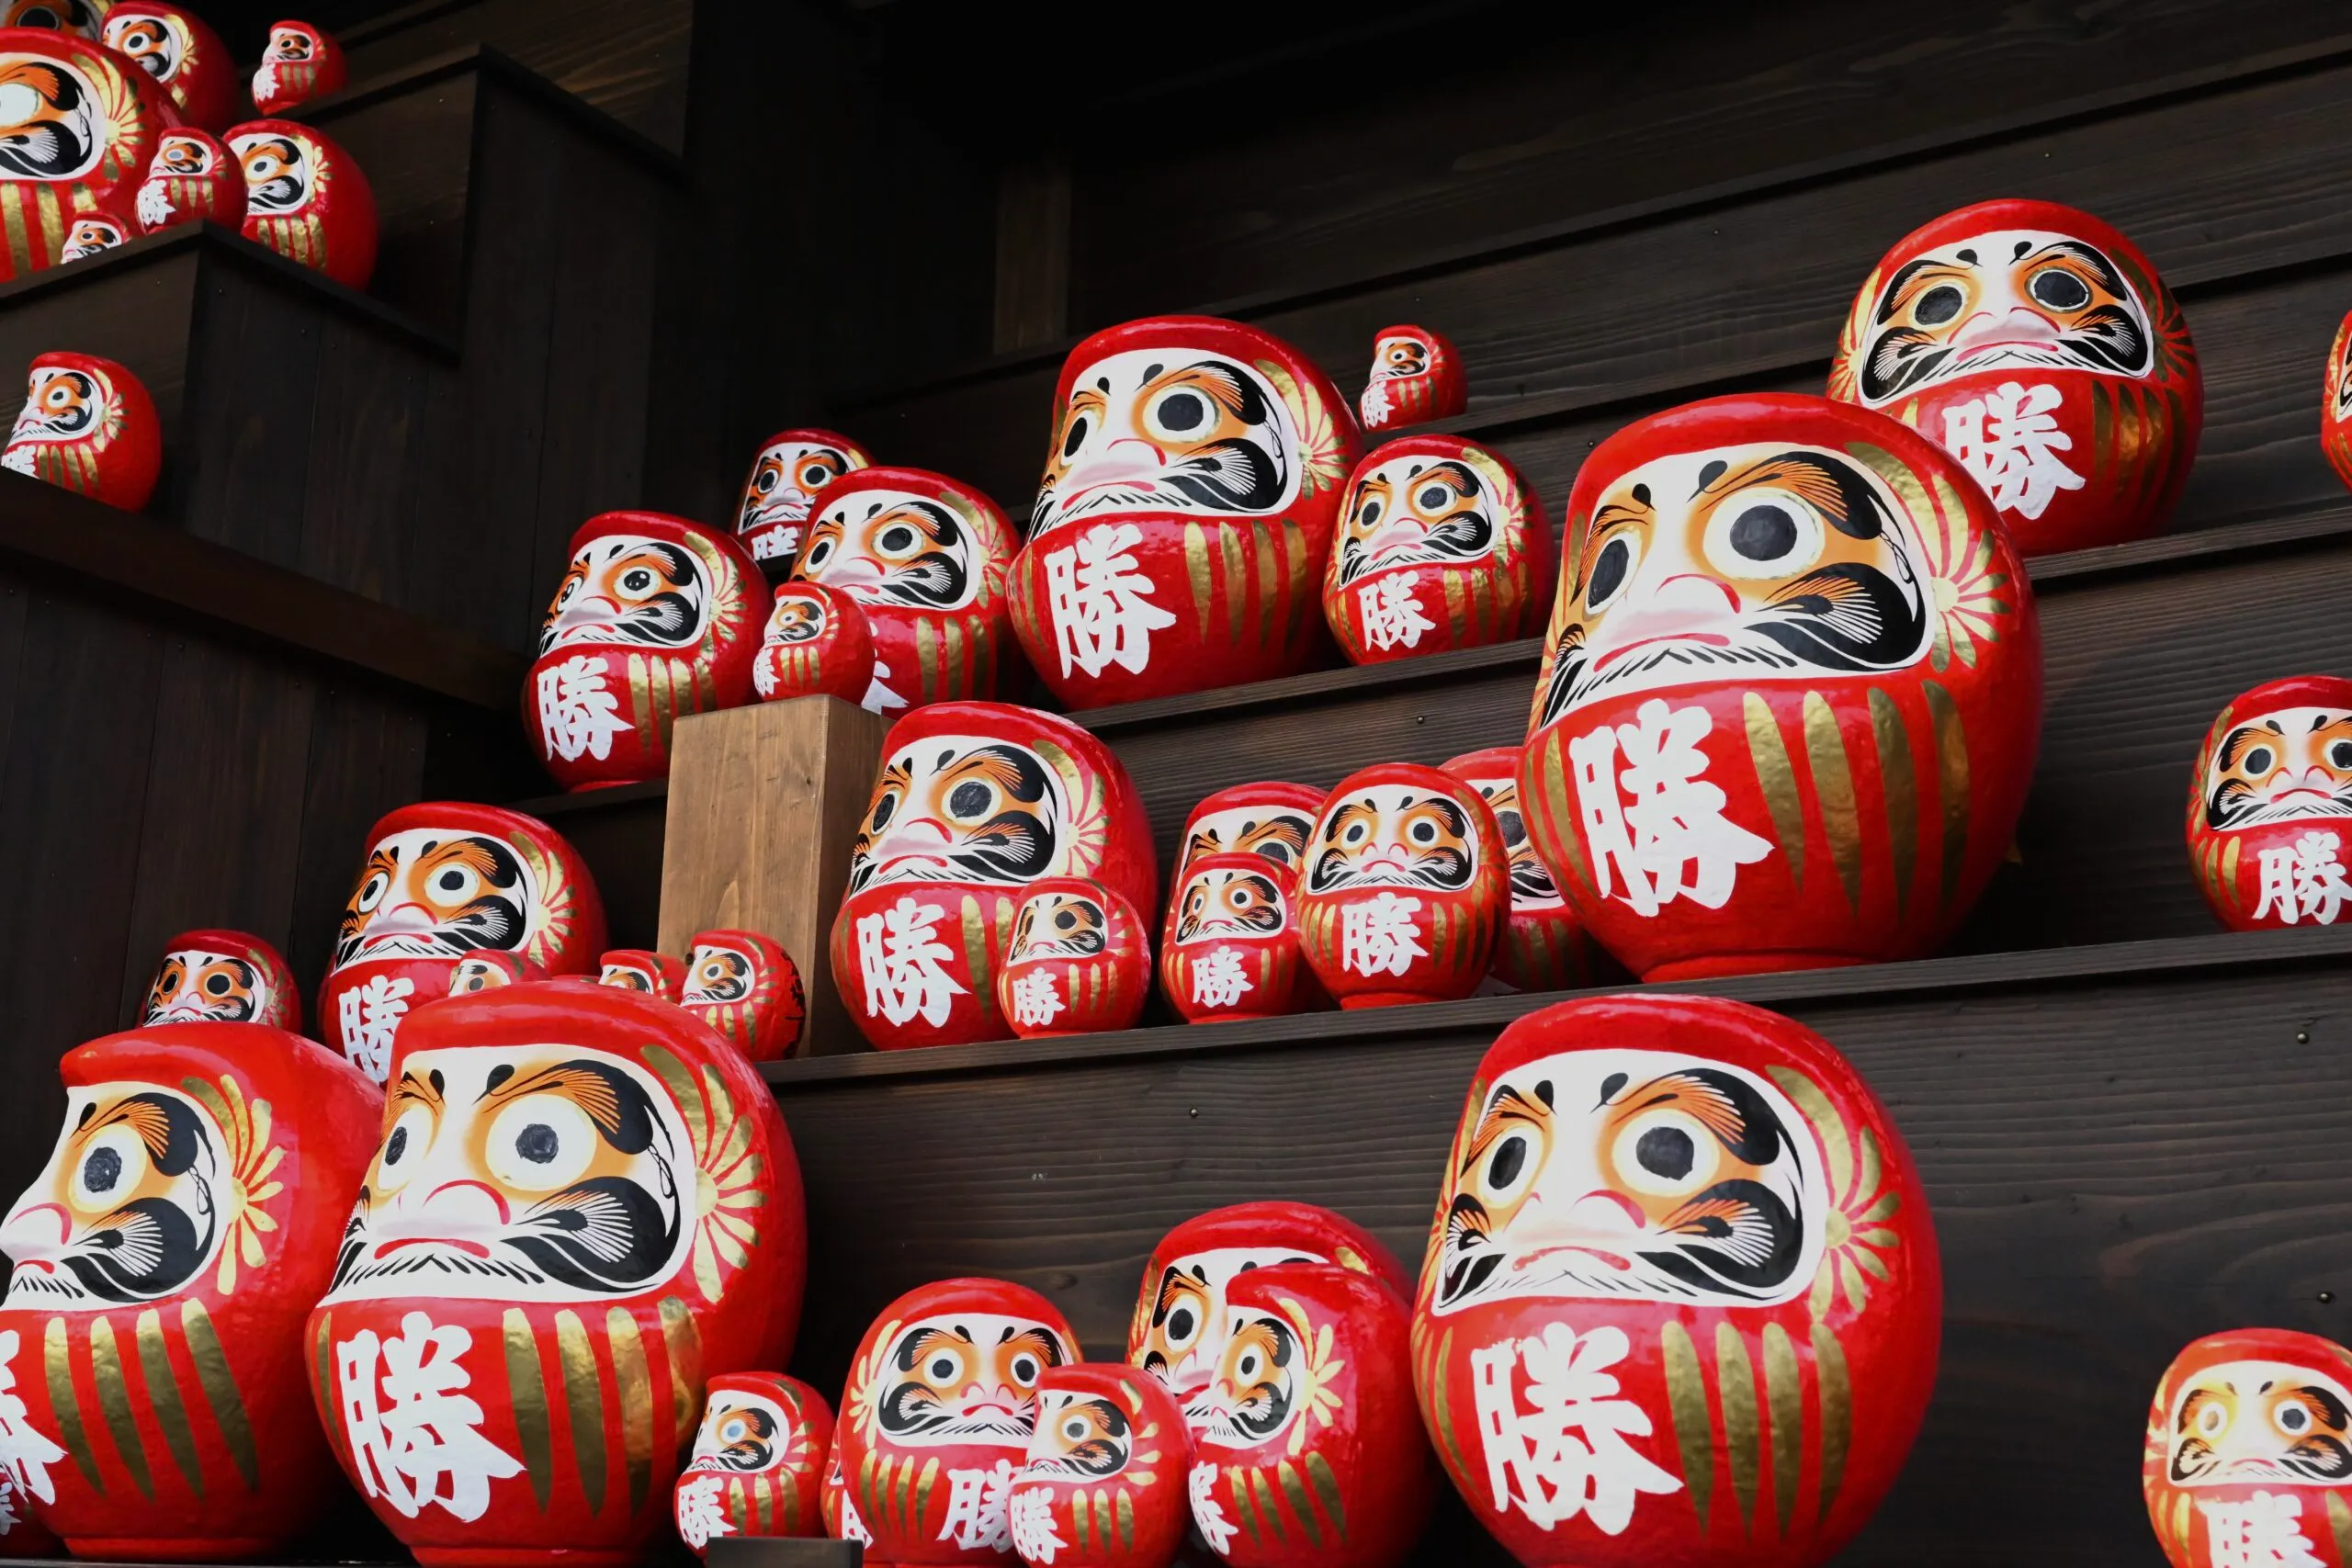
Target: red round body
point(220, 976)
point(656, 617)
point(1543, 948)
point(488, 971)
point(193, 177)
point(300, 62)
point(1415, 377)
point(91, 232)
point(1103, 1485)
point(444, 883)
point(503, 1390)
point(1230, 947)
point(818, 642)
point(47, 178)
point(746, 986)
point(1272, 820)
point(636, 969)
point(1307, 1455)
point(2335, 405)
point(2248, 1457)
point(1406, 890)
point(2271, 805)
point(186, 59)
point(936, 1419)
point(975, 802)
point(306, 199)
point(792, 467)
point(1079, 962)
point(765, 1443)
point(1702, 1326)
point(2038, 347)
point(79, 17)
point(1179, 537)
point(157, 1406)
point(1733, 766)
point(1441, 545)
point(89, 427)
point(926, 558)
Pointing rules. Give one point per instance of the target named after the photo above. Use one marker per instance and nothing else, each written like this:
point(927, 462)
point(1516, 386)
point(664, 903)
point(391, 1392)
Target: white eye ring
point(1763, 533)
point(540, 1143)
point(1705, 1153)
point(130, 1169)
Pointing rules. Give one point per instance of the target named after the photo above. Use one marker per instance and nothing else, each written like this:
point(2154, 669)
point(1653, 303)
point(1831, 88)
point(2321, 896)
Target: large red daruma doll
point(151, 1341)
point(1681, 1302)
point(1790, 694)
point(2248, 1459)
point(2038, 347)
point(1180, 534)
point(584, 1202)
point(89, 427)
point(77, 128)
point(185, 58)
point(306, 199)
point(975, 802)
point(2271, 805)
point(656, 618)
point(444, 881)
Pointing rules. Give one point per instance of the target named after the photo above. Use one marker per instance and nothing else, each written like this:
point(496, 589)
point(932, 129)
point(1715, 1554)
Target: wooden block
point(783, 1552)
point(764, 802)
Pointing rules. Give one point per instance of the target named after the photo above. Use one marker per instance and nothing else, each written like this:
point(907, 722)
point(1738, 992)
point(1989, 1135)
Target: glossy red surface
point(90, 426)
point(2248, 1457)
point(1080, 962)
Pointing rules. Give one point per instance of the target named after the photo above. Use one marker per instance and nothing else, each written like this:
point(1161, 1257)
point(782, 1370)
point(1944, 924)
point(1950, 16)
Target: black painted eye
point(2293, 1420)
point(896, 540)
point(1357, 832)
point(1025, 1369)
point(819, 554)
point(396, 1146)
point(1248, 1366)
point(818, 475)
point(767, 480)
point(219, 985)
point(1667, 1152)
point(1075, 436)
point(883, 809)
point(1938, 305)
point(1180, 412)
point(1368, 514)
point(1065, 919)
point(2339, 755)
point(1433, 498)
point(1422, 833)
point(101, 1170)
point(1611, 571)
point(1505, 1164)
point(1180, 1325)
point(969, 802)
point(1763, 533)
point(1241, 899)
point(2259, 759)
point(637, 580)
point(1075, 1429)
point(2059, 289)
point(942, 1367)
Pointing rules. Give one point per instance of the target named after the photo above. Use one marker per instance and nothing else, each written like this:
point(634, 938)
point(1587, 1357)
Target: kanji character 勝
point(1391, 615)
point(2304, 881)
point(1036, 1002)
point(416, 1438)
point(899, 955)
point(24, 1454)
point(1034, 1536)
point(579, 713)
point(1100, 601)
point(1568, 1456)
point(700, 1514)
point(1671, 838)
point(1378, 936)
point(2009, 439)
point(371, 1015)
point(1208, 1514)
point(1219, 979)
point(980, 1507)
point(2264, 1532)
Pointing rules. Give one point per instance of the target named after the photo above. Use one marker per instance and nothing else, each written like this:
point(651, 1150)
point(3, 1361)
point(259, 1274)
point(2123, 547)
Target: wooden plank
point(1032, 251)
point(414, 141)
point(356, 509)
point(366, 756)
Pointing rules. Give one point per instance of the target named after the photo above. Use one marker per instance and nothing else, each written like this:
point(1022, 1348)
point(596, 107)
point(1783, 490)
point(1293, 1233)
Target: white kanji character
point(371, 1014)
point(1672, 838)
point(154, 205)
point(700, 1517)
point(1374, 403)
point(879, 697)
point(410, 1430)
point(579, 714)
point(1569, 1455)
point(980, 1507)
point(1036, 1003)
point(1100, 601)
point(1208, 1514)
point(1378, 937)
point(1392, 615)
point(898, 953)
point(18, 457)
point(1034, 1536)
point(853, 1525)
point(1218, 980)
point(2264, 1532)
point(769, 543)
point(2009, 439)
point(24, 1453)
point(2305, 880)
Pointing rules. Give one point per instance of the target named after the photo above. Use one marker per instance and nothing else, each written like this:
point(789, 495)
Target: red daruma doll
point(584, 1205)
point(764, 1441)
point(193, 177)
point(300, 62)
point(1271, 819)
point(792, 467)
point(648, 974)
point(1682, 1300)
point(306, 199)
point(2335, 405)
point(745, 985)
point(1231, 946)
point(2249, 1452)
point(1104, 1484)
point(1080, 962)
point(2271, 805)
point(90, 426)
point(1178, 535)
point(2041, 349)
point(1790, 694)
point(1415, 377)
point(76, 134)
point(223, 977)
point(185, 58)
point(1543, 948)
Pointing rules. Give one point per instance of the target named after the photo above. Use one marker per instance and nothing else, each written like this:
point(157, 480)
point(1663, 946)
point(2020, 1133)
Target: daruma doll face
point(2271, 805)
point(2249, 1447)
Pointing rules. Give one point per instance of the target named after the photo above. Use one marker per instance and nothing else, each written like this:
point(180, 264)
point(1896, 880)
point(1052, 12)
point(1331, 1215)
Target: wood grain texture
point(416, 148)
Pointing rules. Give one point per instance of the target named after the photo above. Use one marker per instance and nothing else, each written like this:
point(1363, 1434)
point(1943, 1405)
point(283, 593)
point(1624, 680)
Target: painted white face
point(1633, 1175)
point(156, 44)
point(718, 973)
point(2281, 767)
point(785, 481)
point(630, 590)
point(894, 548)
point(1278, 833)
point(194, 984)
point(51, 126)
point(967, 1377)
point(1253, 1397)
point(536, 1173)
point(1531, 887)
point(1170, 430)
point(438, 893)
point(128, 1209)
point(1224, 902)
point(1393, 836)
point(91, 235)
point(1186, 1332)
point(1400, 357)
point(61, 404)
point(962, 808)
point(745, 1434)
point(1059, 925)
point(1079, 1437)
point(1413, 510)
point(278, 174)
point(2261, 1421)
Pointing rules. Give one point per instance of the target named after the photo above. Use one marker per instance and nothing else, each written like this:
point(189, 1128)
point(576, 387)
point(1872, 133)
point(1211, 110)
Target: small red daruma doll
point(300, 62)
point(219, 977)
point(1790, 694)
point(745, 985)
point(1231, 946)
point(2248, 1457)
point(792, 467)
point(926, 558)
point(1440, 546)
point(442, 882)
point(306, 199)
point(90, 426)
point(2335, 405)
point(634, 969)
point(1104, 1484)
point(2271, 805)
point(764, 1442)
point(1079, 964)
point(936, 1418)
point(150, 1341)
point(975, 802)
point(1416, 377)
point(582, 1205)
point(76, 133)
point(1406, 890)
point(193, 177)
point(656, 617)
point(488, 971)
point(185, 58)
point(1543, 948)
point(818, 642)
point(1272, 820)
point(91, 232)
point(1179, 537)
point(2041, 349)
point(1723, 1280)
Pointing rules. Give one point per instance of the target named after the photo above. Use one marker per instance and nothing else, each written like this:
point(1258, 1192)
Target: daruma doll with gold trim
point(926, 559)
point(975, 802)
point(488, 971)
point(745, 985)
point(656, 617)
point(1180, 533)
point(764, 1441)
point(1440, 546)
point(2271, 805)
point(2248, 1457)
point(89, 427)
point(193, 177)
point(583, 1204)
point(185, 58)
point(937, 1415)
point(1681, 1300)
point(95, 232)
point(2040, 348)
point(151, 1335)
point(1230, 949)
point(444, 882)
point(300, 62)
point(1543, 947)
point(306, 199)
point(1080, 962)
point(1415, 377)
point(2335, 405)
point(1406, 890)
point(76, 134)
point(792, 467)
point(1104, 1482)
point(1272, 820)
point(1790, 694)
point(818, 642)
point(636, 969)
point(219, 977)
